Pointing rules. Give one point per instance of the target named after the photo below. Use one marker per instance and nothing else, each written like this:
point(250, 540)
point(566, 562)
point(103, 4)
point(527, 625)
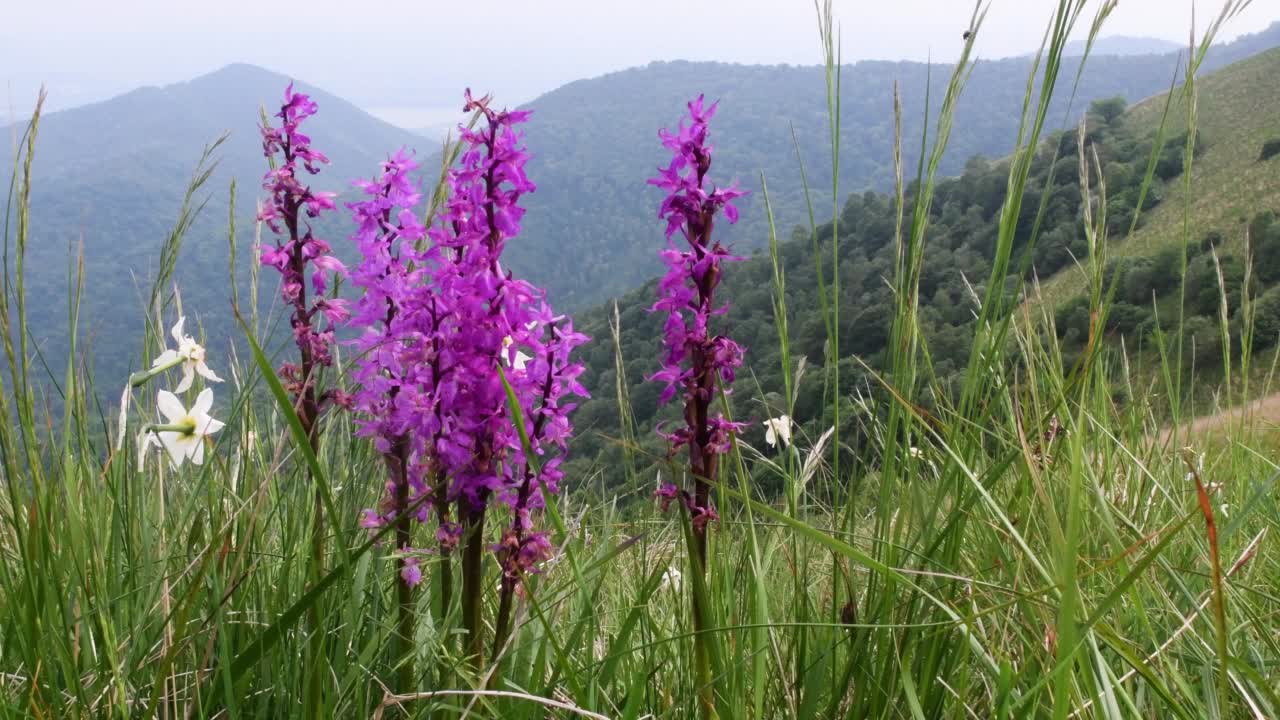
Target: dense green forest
point(1148, 289)
point(957, 264)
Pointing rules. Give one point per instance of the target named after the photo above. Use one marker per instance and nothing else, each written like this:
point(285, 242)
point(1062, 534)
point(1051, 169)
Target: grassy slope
point(1238, 109)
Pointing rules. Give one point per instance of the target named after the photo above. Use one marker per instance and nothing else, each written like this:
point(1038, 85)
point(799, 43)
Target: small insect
point(967, 33)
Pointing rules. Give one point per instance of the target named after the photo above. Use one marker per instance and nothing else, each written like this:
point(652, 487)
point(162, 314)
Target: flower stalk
point(521, 548)
point(698, 362)
point(297, 252)
point(437, 323)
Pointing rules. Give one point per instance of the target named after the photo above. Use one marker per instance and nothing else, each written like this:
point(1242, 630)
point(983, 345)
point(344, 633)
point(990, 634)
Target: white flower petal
point(206, 373)
point(197, 451)
point(187, 377)
point(204, 403)
point(520, 361)
point(165, 358)
point(177, 330)
point(177, 445)
point(778, 430)
point(170, 406)
point(206, 425)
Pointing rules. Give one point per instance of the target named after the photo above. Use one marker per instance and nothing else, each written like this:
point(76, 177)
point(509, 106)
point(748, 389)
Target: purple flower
point(666, 494)
point(297, 251)
point(697, 362)
point(409, 570)
point(389, 369)
point(447, 535)
point(436, 326)
point(491, 318)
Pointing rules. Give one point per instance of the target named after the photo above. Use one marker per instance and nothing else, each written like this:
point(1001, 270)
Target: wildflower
point(486, 317)
point(696, 360)
point(671, 578)
point(190, 354)
point(556, 379)
point(371, 520)
point(389, 370)
point(701, 515)
point(437, 325)
point(778, 430)
point(448, 535)
point(409, 570)
point(481, 319)
point(297, 251)
point(183, 435)
point(666, 493)
point(522, 554)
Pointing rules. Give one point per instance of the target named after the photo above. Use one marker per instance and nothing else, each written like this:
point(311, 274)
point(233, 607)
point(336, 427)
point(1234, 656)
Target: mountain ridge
point(758, 112)
point(1123, 45)
point(112, 173)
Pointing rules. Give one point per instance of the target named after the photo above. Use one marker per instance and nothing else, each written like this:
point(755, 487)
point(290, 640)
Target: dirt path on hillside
point(1265, 412)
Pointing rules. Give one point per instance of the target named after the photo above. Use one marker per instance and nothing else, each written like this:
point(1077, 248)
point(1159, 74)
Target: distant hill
point(1234, 195)
point(1123, 45)
point(436, 133)
point(1232, 189)
point(595, 141)
point(112, 173)
point(1238, 113)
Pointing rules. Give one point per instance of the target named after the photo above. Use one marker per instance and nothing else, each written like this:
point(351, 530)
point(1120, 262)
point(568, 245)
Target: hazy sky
point(407, 60)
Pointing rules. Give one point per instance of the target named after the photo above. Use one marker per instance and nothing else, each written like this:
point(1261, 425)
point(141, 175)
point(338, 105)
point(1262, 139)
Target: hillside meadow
point(916, 492)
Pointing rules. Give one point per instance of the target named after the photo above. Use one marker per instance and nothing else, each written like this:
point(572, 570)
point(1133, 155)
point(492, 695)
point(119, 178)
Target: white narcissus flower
point(778, 430)
point(521, 359)
point(190, 354)
point(183, 436)
point(671, 578)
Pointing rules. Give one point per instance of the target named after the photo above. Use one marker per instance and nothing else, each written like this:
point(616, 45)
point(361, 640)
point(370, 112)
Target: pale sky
point(406, 60)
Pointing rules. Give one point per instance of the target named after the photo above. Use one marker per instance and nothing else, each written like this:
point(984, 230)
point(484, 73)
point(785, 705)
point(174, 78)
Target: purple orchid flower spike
point(696, 359)
point(297, 254)
point(442, 326)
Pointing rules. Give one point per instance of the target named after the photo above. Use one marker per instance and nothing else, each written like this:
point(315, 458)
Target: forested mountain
point(1231, 216)
point(112, 174)
point(957, 264)
point(595, 142)
point(1123, 45)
